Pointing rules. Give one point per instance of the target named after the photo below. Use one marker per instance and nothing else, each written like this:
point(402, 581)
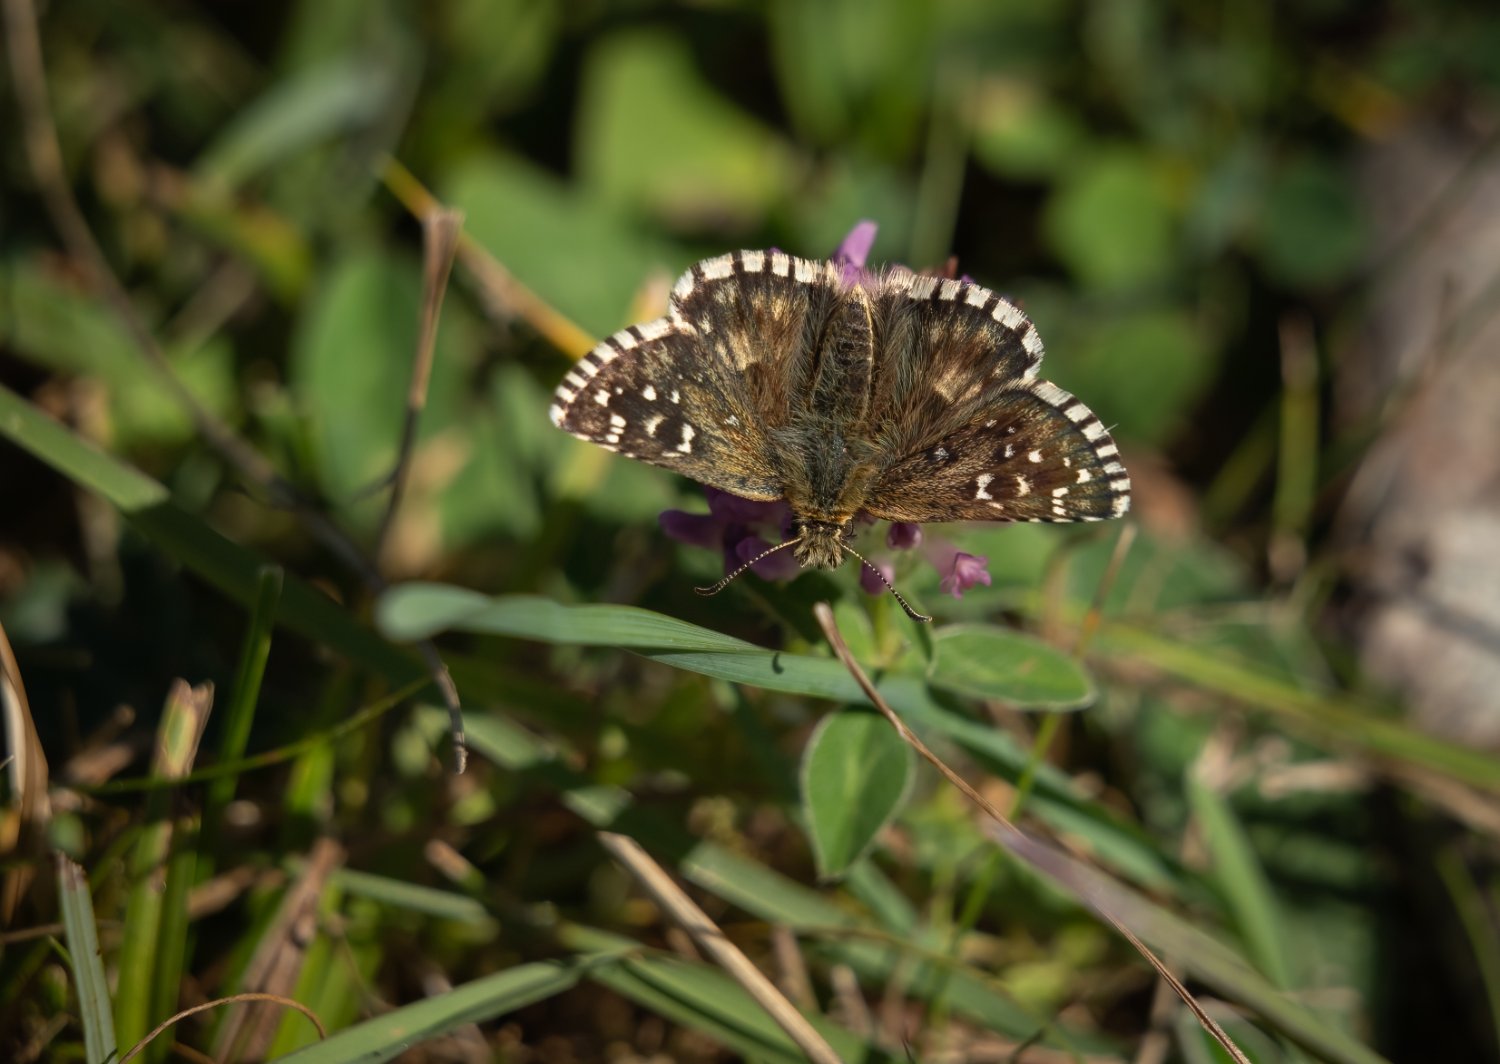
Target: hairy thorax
point(821, 543)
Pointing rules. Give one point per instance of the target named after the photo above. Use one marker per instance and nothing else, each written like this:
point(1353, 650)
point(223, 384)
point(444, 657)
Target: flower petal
point(903, 535)
point(966, 571)
point(697, 530)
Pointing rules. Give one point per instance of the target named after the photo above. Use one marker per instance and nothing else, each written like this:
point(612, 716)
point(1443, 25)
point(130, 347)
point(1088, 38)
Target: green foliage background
point(1161, 184)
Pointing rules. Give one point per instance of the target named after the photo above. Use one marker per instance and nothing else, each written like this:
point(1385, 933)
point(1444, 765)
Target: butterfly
point(892, 395)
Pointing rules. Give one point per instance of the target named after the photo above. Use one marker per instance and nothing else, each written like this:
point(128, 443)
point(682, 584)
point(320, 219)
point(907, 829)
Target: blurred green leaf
point(337, 97)
point(856, 772)
point(566, 245)
point(59, 327)
point(1022, 132)
point(652, 135)
point(1112, 221)
point(351, 361)
point(1148, 367)
point(989, 662)
point(1312, 230)
point(1242, 881)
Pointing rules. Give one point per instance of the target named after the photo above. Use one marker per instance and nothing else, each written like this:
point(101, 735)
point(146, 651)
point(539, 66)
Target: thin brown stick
point(232, 999)
point(497, 284)
point(440, 231)
point(1007, 831)
point(28, 73)
point(712, 940)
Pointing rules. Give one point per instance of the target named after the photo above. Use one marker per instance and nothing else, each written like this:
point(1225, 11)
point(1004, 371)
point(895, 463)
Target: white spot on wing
point(1093, 430)
point(1107, 450)
point(1033, 456)
point(653, 423)
point(922, 287)
point(602, 397)
point(717, 269)
point(1051, 394)
point(654, 330)
point(981, 482)
point(686, 446)
point(617, 422)
point(1008, 314)
point(1058, 493)
point(1084, 476)
point(806, 271)
point(1121, 506)
point(1077, 412)
point(648, 393)
point(754, 261)
point(950, 289)
point(1023, 486)
point(975, 296)
point(781, 263)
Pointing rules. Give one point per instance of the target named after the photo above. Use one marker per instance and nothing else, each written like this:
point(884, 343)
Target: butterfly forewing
point(699, 391)
point(1035, 454)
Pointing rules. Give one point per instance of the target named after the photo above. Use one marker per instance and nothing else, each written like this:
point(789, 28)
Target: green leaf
point(1019, 131)
point(652, 135)
point(568, 247)
point(351, 361)
point(1147, 367)
point(393, 1033)
point(65, 329)
point(337, 97)
point(1111, 221)
point(1312, 232)
point(856, 772)
point(990, 662)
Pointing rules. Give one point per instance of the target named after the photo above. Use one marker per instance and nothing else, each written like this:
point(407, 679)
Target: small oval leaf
point(989, 662)
point(855, 774)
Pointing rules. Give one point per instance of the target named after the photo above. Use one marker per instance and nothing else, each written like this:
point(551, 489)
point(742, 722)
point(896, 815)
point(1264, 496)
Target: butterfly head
point(821, 543)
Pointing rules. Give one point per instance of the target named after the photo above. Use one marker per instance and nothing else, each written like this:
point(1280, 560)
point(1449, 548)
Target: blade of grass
point(1337, 722)
point(239, 714)
point(1243, 883)
point(88, 965)
point(393, 1033)
point(146, 974)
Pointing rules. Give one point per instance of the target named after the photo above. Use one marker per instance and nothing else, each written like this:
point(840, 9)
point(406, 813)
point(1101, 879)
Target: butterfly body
point(892, 395)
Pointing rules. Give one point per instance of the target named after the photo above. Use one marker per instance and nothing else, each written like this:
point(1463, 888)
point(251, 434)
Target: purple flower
point(960, 570)
point(871, 582)
point(734, 526)
point(903, 535)
point(852, 254)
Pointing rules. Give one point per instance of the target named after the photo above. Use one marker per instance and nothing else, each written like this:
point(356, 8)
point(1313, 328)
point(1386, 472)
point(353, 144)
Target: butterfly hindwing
point(947, 348)
point(1034, 454)
point(698, 391)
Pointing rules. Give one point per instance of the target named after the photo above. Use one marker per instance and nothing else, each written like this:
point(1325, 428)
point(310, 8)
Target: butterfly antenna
point(913, 614)
point(722, 584)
